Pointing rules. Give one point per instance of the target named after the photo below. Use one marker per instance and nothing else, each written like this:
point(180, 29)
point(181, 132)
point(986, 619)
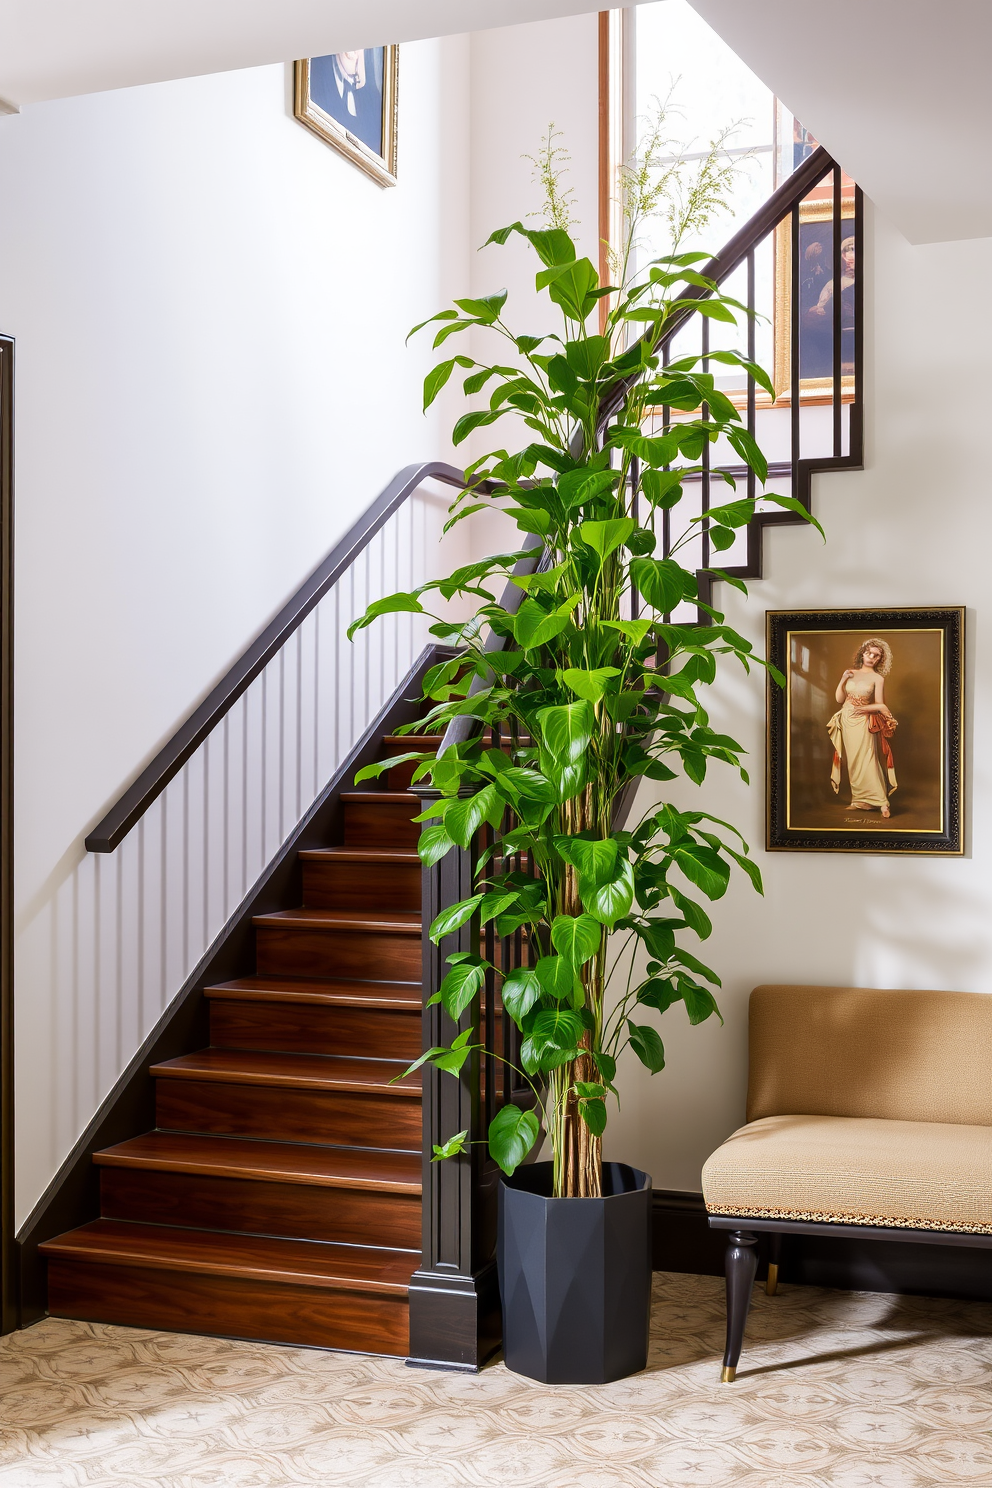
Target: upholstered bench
point(869, 1113)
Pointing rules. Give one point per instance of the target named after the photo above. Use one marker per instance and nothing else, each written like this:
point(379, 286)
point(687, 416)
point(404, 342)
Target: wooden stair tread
point(343, 993)
point(397, 922)
point(218, 1253)
point(282, 1162)
point(410, 743)
point(299, 1071)
point(382, 797)
point(359, 855)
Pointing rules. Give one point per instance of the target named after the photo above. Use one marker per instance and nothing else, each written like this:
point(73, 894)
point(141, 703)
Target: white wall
point(210, 306)
point(525, 78)
point(912, 529)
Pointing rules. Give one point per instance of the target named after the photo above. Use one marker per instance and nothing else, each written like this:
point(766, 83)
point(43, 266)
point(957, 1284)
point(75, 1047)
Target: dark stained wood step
point(280, 1291)
point(316, 991)
point(364, 1031)
point(370, 922)
point(377, 819)
point(352, 878)
point(290, 1098)
point(292, 1071)
point(289, 1162)
point(339, 943)
point(165, 1248)
point(343, 1195)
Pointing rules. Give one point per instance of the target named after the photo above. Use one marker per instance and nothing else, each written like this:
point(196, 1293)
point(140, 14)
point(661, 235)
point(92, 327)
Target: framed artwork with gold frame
point(815, 302)
point(865, 750)
point(349, 100)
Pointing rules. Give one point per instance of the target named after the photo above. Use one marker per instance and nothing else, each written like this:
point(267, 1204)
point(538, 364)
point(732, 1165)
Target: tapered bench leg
point(774, 1261)
point(742, 1263)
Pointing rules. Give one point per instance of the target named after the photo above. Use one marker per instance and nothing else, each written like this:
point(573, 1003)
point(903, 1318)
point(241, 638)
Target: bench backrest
point(855, 1051)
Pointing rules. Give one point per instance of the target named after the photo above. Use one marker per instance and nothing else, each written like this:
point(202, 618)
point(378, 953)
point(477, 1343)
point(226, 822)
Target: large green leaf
point(393, 604)
point(464, 818)
point(576, 937)
point(702, 866)
point(610, 901)
point(512, 1134)
point(566, 731)
point(552, 1039)
point(454, 916)
point(590, 685)
point(534, 626)
point(595, 860)
point(659, 993)
point(660, 581)
point(592, 1109)
point(521, 990)
point(646, 1044)
point(460, 986)
point(556, 975)
point(605, 537)
point(433, 845)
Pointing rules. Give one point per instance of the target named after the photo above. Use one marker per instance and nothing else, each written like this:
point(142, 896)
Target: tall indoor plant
point(589, 698)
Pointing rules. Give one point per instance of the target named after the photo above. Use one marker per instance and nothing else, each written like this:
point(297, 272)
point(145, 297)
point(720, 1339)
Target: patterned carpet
point(850, 1390)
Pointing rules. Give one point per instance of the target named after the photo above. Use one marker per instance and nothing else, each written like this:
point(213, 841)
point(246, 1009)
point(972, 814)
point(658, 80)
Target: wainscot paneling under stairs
point(279, 1195)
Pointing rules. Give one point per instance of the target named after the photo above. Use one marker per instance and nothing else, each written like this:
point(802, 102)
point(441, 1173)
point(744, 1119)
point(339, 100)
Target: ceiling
point(58, 48)
point(899, 91)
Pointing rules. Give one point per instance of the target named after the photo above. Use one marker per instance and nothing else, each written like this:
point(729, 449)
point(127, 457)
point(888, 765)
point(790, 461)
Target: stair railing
point(178, 853)
point(454, 1305)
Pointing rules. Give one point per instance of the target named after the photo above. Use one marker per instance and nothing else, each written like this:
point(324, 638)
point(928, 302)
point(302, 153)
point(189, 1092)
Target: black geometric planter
point(575, 1277)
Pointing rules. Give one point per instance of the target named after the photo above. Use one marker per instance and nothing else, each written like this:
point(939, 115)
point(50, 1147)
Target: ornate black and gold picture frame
point(349, 99)
point(865, 738)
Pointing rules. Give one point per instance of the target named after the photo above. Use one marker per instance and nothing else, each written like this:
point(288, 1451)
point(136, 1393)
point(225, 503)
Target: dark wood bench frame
point(742, 1260)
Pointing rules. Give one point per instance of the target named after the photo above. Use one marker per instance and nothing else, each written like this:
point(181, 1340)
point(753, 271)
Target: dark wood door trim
point(9, 1287)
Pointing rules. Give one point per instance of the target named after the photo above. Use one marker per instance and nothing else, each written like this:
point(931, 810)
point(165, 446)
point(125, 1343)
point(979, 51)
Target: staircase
point(279, 1195)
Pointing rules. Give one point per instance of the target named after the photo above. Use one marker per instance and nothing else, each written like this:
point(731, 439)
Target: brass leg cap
point(727, 1375)
point(771, 1283)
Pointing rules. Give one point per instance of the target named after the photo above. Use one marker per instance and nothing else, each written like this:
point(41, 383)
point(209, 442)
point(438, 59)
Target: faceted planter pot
point(575, 1277)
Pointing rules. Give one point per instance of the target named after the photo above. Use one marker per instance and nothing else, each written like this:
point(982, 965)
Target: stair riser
point(294, 1211)
point(338, 1118)
point(375, 824)
point(372, 1033)
point(303, 951)
point(346, 885)
point(400, 777)
point(232, 1307)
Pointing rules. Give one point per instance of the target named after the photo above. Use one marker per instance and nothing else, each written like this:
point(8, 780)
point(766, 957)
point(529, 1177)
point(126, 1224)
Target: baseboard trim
point(72, 1198)
point(683, 1241)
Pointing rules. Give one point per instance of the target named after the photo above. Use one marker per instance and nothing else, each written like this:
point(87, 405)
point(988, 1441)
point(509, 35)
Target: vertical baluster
point(837, 267)
point(635, 502)
point(705, 582)
point(794, 324)
point(856, 414)
point(754, 529)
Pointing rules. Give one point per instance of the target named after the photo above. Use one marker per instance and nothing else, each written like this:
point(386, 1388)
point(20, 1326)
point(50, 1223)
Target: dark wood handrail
point(128, 810)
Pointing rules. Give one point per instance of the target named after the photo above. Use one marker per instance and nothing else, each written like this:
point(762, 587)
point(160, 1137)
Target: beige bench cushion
point(859, 1051)
point(851, 1170)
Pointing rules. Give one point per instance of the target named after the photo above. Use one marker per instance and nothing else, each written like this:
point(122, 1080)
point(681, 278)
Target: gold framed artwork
point(816, 294)
point(865, 739)
point(349, 100)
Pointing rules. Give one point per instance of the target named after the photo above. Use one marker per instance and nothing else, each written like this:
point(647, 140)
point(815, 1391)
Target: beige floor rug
point(851, 1390)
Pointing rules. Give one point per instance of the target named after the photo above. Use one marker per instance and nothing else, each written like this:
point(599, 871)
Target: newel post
point(454, 1297)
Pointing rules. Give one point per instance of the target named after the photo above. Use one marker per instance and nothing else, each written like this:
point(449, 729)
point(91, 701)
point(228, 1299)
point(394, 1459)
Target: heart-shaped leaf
point(512, 1134)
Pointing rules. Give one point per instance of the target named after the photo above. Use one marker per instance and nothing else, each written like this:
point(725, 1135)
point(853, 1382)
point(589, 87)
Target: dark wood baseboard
point(683, 1241)
point(73, 1196)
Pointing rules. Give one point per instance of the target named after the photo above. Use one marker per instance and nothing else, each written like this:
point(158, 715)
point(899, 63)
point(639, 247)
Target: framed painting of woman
point(865, 735)
point(348, 99)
